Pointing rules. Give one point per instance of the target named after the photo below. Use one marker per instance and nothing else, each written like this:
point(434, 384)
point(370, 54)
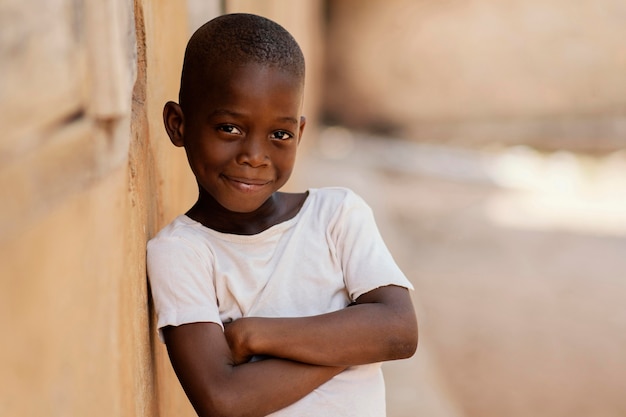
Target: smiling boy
point(269, 302)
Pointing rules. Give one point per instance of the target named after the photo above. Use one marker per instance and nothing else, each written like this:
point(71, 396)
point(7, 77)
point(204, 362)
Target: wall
point(87, 175)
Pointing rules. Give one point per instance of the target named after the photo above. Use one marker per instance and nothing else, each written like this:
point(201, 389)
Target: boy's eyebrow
point(288, 119)
point(226, 112)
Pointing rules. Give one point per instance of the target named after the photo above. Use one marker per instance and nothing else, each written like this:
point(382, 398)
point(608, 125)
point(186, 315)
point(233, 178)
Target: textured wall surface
point(87, 175)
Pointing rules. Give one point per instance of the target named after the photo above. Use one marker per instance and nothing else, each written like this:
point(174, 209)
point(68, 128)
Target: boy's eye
point(281, 135)
point(229, 129)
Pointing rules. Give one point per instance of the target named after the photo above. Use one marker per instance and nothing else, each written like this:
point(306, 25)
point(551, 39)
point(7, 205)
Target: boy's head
point(231, 41)
point(239, 116)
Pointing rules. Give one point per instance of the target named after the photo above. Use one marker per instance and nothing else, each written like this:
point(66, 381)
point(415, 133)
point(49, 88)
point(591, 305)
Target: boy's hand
point(236, 336)
point(379, 326)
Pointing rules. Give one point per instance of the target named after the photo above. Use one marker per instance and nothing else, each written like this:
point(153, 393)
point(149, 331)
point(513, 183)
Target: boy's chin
point(240, 207)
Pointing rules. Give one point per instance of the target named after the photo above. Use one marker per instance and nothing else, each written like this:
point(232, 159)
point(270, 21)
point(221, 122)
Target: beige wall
point(87, 175)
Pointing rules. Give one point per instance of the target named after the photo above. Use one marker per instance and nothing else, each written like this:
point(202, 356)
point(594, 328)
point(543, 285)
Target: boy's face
point(241, 136)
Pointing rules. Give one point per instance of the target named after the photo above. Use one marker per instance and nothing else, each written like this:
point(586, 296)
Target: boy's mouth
point(246, 184)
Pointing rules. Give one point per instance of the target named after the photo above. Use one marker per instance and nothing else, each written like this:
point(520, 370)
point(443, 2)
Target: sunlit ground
point(543, 191)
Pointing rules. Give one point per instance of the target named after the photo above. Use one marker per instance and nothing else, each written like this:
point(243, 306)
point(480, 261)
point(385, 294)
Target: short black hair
point(234, 40)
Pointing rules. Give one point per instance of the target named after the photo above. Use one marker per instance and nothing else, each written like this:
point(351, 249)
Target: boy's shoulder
point(182, 228)
point(333, 202)
point(337, 195)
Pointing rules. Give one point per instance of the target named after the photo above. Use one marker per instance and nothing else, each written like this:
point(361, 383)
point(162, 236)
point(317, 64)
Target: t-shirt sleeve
point(181, 284)
point(365, 259)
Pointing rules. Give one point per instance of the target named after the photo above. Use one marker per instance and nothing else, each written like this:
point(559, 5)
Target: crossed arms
point(212, 365)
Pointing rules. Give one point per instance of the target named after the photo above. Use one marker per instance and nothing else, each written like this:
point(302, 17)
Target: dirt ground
point(518, 260)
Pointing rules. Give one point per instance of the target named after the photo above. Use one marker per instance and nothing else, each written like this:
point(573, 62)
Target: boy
point(269, 302)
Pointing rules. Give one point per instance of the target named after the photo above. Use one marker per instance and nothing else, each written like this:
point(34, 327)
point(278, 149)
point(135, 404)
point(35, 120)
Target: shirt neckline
point(270, 231)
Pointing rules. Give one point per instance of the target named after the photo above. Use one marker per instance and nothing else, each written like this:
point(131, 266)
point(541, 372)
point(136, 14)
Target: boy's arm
point(380, 326)
point(217, 387)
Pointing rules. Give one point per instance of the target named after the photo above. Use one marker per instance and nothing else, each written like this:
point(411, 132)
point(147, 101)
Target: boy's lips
point(246, 184)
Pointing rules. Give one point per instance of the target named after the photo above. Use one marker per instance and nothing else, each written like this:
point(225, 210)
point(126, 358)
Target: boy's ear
point(174, 121)
point(302, 124)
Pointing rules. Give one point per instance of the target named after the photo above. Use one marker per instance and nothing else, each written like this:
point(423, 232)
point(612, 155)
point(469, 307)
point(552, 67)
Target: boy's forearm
point(260, 388)
point(363, 333)
point(353, 336)
point(217, 387)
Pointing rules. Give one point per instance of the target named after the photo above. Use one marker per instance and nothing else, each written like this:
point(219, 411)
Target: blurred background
point(487, 135)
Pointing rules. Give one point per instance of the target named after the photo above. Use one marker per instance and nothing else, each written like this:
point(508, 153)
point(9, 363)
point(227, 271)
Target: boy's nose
point(253, 152)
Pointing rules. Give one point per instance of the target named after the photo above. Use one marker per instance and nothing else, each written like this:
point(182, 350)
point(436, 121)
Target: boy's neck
point(276, 209)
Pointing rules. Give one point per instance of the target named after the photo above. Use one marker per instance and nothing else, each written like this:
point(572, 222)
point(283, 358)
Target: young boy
point(269, 302)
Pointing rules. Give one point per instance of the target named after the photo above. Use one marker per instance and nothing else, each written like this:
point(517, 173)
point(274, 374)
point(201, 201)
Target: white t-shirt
point(319, 261)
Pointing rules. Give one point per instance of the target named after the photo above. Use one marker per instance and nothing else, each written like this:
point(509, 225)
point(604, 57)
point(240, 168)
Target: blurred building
point(482, 72)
